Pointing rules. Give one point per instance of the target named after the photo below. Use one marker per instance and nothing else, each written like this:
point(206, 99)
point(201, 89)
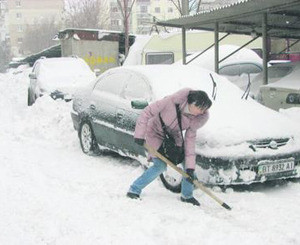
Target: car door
point(136, 89)
point(104, 101)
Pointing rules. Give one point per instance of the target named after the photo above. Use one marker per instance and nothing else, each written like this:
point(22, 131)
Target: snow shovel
point(185, 175)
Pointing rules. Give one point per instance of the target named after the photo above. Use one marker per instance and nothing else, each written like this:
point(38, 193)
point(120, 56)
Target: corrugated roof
point(245, 17)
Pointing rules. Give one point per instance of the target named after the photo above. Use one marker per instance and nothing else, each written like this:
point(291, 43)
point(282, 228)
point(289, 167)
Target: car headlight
point(293, 98)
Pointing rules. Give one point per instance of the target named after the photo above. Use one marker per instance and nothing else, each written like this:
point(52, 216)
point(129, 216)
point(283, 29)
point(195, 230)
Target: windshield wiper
point(214, 92)
point(247, 91)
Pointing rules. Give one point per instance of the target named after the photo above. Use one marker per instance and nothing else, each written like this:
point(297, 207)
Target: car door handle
point(93, 107)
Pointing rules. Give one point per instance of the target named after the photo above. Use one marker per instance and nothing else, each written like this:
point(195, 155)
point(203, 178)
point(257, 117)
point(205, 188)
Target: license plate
point(277, 166)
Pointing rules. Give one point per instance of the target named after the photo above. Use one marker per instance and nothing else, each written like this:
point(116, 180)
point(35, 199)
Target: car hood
point(232, 133)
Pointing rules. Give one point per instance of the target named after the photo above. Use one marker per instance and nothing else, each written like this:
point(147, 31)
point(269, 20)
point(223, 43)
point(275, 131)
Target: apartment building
point(142, 15)
point(147, 11)
point(22, 13)
point(3, 12)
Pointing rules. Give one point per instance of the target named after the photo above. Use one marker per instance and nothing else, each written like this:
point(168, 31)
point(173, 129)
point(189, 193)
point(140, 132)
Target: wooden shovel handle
point(185, 175)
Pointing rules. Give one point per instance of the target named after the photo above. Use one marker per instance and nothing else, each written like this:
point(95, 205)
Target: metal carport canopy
point(283, 18)
point(266, 18)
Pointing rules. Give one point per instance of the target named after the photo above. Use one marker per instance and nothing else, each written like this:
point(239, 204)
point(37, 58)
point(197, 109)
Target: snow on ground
point(51, 193)
point(292, 113)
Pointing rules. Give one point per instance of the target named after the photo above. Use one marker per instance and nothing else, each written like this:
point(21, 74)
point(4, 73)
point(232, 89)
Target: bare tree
point(125, 7)
point(86, 14)
point(39, 36)
point(194, 5)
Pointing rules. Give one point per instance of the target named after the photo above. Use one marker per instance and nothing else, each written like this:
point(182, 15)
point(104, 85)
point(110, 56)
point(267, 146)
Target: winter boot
point(191, 200)
point(132, 195)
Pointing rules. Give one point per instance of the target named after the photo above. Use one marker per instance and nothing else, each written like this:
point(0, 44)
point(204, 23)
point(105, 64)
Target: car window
point(279, 71)
point(112, 83)
point(229, 70)
point(159, 58)
point(36, 69)
point(239, 69)
point(136, 88)
point(249, 69)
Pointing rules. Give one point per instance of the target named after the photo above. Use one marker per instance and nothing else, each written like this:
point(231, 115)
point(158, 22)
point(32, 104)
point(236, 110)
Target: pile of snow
point(51, 193)
point(292, 113)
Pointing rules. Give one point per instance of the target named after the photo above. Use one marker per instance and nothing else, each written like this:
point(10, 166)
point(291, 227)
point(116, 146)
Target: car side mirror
point(97, 72)
point(32, 76)
point(139, 104)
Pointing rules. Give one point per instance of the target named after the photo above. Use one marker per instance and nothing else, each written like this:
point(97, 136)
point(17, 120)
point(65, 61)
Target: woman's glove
point(139, 141)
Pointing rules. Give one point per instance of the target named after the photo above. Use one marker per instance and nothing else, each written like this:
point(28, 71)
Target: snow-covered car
point(242, 142)
point(58, 77)
point(240, 68)
point(283, 88)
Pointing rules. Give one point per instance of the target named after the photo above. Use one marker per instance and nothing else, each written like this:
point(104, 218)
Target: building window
point(18, 3)
point(20, 40)
point(115, 22)
point(170, 10)
point(19, 15)
point(143, 9)
point(157, 10)
point(20, 28)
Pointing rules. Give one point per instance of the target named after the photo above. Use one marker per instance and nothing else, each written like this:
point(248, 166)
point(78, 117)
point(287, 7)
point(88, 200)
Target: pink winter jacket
point(149, 127)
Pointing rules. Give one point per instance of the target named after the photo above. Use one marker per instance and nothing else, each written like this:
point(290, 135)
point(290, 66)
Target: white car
point(240, 68)
point(242, 142)
point(58, 77)
point(283, 88)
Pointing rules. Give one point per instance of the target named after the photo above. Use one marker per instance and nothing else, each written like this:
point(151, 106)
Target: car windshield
point(279, 71)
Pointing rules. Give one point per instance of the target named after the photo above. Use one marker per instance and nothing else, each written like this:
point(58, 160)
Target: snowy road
point(51, 193)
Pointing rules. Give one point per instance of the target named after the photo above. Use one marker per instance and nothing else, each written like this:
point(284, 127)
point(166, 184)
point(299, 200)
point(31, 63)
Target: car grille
point(268, 143)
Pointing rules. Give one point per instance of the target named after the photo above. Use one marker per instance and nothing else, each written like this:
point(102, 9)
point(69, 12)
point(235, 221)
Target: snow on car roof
point(167, 79)
point(206, 60)
point(69, 66)
point(65, 73)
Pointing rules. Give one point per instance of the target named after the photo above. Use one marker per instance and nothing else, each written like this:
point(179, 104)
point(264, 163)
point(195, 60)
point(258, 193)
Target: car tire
point(87, 139)
point(171, 180)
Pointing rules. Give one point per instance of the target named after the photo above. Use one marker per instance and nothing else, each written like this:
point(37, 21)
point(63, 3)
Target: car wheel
point(171, 179)
point(87, 138)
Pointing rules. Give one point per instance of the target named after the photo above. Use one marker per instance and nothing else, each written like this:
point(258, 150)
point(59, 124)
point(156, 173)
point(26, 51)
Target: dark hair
point(199, 98)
